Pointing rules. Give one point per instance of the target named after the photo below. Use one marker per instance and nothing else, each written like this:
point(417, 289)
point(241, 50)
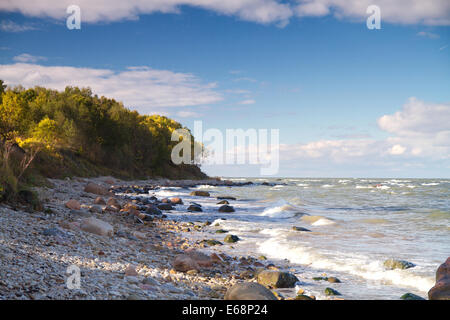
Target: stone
point(231, 238)
point(411, 296)
point(221, 231)
point(200, 193)
point(53, 232)
point(114, 203)
point(303, 297)
point(212, 242)
point(200, 258)
point(392, 264)
point(226, 208)
point(226, 198)
point(95, 189)
point(441, 290)
point(300, 229)
point(333, 280)
point(194, 208)
point(165, 206)
point(332, 292)
point(73, 204)
point(96, 226)
point(95, 209)
point(249, 291)
point(223, 202)
point(152, 209)
point(184, 263)
point(277, 279)
point(176, 200)
point(100, 200)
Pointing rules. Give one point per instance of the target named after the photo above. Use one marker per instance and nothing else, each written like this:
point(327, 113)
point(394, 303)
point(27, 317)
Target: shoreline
point(135, 261)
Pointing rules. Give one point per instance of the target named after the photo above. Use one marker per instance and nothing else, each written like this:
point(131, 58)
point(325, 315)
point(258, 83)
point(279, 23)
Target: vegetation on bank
point(49, 133)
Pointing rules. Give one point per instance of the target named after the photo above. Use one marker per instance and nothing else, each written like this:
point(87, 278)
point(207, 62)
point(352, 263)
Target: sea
point(355, 225)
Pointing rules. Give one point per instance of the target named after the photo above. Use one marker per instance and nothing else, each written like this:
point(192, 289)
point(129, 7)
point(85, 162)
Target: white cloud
point(25, 58)
point(261, 11)
point(188, 114)
point(248, 101)
point(419, 130)
point(11, 26)
point(430, 12)
point(140, 88)
point(417, 118)
point(427, 34)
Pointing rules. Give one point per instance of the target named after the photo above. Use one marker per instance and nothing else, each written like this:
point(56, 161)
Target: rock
point(277, 279)
point(114, 203)
point(99, 200)
point(392, 264)
point(226, 208)
point(184, 263)
point(73, 204)
point(200, 258)
point(231, 238)
point(303, 297)
point(176, 200)
point(332, 292)
point(441, 290)
point(199, 193)
point(411, 296)
point(80, 213)
point(111, 209)
point(95, 189)
point(333, 280)
point(221, 231)
point(194, 208)
point(96, 209)
point(212, 242)
point(96, 226)
point(223, 202)
point(226, 198)
point(53, 232)
point(262, 258)
point(139, 235)
point(300, 229)
point(249, 291)
point(152, 209)
point(165, 206)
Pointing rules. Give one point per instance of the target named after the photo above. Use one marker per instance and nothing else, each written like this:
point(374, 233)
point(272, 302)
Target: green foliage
point(74, 132)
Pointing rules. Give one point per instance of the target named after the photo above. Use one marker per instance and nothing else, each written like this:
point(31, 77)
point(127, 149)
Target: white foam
point(281, 209)
point(357, 265)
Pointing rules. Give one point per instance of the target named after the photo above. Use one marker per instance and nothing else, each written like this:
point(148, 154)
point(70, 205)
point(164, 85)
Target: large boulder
point(200, 193)
point(231, 238)
point(95, 189)
point(392, 264)
point(165, 206)
point(194, 208)
point(200, 258)
point(226, 208)
point(96, 226)
point(277, 279)
point(441, 290)
point(249, 291)
point(184, 263)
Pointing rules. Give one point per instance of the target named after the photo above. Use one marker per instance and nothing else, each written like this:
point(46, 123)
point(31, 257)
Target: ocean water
point(356, 224)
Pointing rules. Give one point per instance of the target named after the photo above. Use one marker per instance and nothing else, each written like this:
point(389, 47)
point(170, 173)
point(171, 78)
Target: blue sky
point(323, 79)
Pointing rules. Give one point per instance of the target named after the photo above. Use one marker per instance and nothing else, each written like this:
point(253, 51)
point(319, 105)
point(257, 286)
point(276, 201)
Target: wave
point(282, 209)
point(357, 265)
point(317, 220)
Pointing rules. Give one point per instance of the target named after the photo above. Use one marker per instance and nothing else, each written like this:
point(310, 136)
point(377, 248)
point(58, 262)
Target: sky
point(348, 101)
